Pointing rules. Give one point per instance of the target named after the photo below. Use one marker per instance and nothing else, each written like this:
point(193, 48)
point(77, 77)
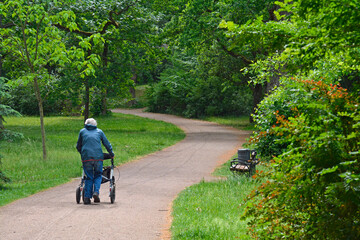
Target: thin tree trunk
point(41, 111)
point(104, 102)
point(1, 123)
point(1, 61)
point(132, 89)
point(1, 58)
point(87, 99)
point(104, 92)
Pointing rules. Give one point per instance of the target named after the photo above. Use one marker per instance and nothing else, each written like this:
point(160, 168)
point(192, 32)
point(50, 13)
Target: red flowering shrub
point(313, 188)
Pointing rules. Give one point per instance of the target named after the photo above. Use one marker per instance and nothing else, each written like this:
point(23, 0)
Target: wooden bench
point(245, 162)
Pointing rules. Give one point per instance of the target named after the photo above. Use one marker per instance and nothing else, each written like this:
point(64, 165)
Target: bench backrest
point(246, 154)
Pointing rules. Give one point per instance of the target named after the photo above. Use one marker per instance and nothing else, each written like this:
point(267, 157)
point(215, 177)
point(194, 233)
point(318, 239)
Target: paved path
point(143, 194)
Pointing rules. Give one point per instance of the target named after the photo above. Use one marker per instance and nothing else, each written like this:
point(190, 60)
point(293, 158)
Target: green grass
point(130, 136)
point(241, 123)
point(212, 210)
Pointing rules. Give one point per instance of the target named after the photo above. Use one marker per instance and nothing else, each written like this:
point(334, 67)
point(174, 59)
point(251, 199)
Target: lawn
point(130, 136)
point(239, 122)
point(213, 210)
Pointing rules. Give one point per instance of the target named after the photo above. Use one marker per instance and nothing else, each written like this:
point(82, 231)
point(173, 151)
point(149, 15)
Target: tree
point(31, 37)
point(123, 38)
point(194, 27)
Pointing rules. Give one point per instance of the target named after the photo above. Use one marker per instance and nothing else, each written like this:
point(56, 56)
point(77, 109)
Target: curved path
point(144, 193)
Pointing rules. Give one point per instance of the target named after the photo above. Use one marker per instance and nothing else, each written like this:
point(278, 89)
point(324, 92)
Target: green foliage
point(170, 95)
point(310, 128)
point(5, 111)
point(325, 32)
point(216, 83)
point(315, 180)
point(29, 33)
point(124, 36)
point(22, 99)
point(188, 90)
point(281, 101)
point(301, 39)
point(5, 134)
point(3, 177)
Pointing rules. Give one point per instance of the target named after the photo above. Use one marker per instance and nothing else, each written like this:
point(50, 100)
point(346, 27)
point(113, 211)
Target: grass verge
point(213, 210)
point(130, 136)
point(241, 123)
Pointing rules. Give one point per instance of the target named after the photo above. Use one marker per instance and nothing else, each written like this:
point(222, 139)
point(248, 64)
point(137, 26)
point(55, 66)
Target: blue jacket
point(89, 143)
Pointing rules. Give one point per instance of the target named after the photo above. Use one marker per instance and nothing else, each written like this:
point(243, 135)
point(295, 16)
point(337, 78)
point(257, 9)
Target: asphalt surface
point(144, 192)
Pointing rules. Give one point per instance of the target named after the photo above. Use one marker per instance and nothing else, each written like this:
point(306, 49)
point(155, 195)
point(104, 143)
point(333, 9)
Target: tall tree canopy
point(124, 38)
point(193, 28)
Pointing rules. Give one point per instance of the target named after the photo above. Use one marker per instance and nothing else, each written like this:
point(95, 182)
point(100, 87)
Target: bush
point(313, 189)
point(3, 177)
point(197, 98)
point(23, 99)
point(200, 86)
point(168, 96)
point(216, 97)
point(280, 102)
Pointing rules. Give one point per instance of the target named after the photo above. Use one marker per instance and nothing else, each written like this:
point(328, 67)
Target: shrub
point(3, 177)
point(5, 110)
point(197, 98)
point(22, 99)
point(200, 86)
point(282, 101)
point(313, 189)
point(168, 96)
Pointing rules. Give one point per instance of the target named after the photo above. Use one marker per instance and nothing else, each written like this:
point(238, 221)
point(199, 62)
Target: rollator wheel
point(78, 195)
point(83, 194)
point(112, 194)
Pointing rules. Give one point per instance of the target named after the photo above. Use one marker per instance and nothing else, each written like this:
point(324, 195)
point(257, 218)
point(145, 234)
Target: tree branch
point(84, 33)
point(233, 54)
point(110, 22)
point(7, 25)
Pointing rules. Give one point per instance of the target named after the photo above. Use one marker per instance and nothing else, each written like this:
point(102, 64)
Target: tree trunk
point(104, 102)
point(1, 123)
point(41, 111)
point(1, 58)
point(274, 82)
point(87, 93)
point(87, 99)
point(1, 61)
point(104, 92)
point(132, 89)
point(257, 97)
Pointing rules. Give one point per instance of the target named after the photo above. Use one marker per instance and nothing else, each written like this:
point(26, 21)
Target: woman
point(92, 156)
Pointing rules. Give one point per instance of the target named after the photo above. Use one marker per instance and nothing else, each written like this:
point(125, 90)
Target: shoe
point(87, 201)
point(96, 197)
